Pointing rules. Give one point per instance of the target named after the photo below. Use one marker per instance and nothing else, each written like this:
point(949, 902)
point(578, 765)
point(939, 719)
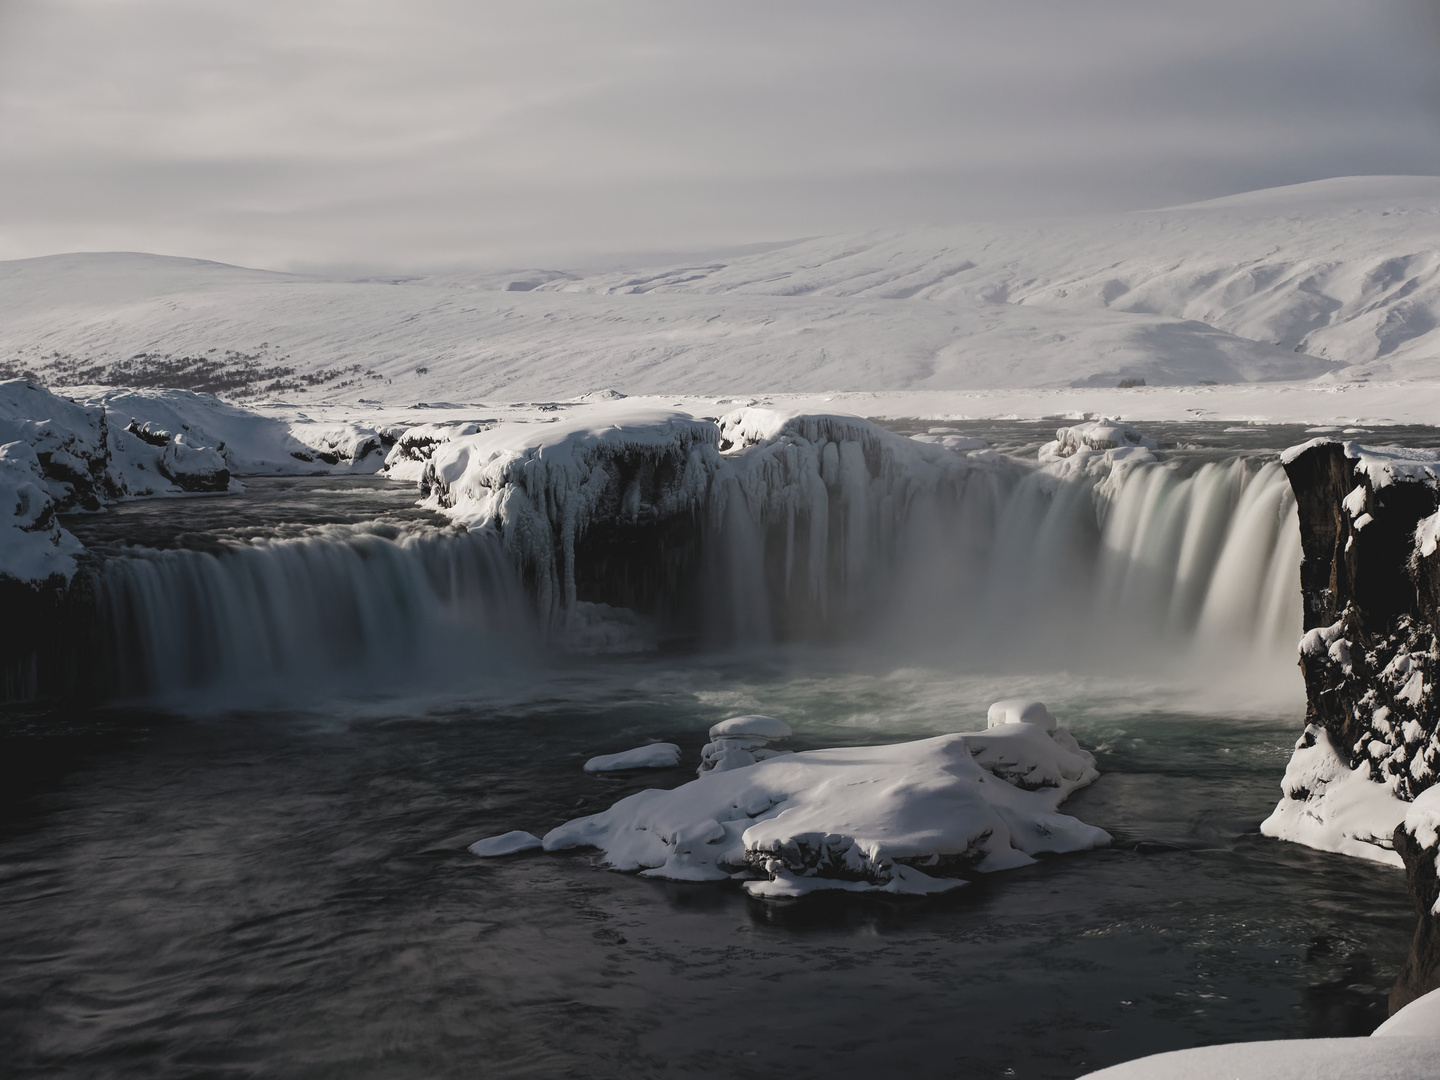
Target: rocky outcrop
point(1371, 585)
point(1418, 842)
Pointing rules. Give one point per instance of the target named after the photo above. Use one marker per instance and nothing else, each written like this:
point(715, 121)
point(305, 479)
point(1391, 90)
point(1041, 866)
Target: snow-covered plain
point(1335, 280)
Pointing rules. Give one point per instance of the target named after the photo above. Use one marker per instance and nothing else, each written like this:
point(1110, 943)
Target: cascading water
point(1212, 559)
point(346, 605)
point(1002, 561)
point(839, 535)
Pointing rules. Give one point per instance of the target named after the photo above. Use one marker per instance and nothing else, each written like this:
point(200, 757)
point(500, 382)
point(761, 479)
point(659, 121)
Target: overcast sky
point(409, 134)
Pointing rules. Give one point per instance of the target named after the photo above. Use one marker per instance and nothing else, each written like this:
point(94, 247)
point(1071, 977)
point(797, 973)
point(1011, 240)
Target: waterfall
point(998, 560)
point(1210, 559)
point(845, 536)
point(338, 608)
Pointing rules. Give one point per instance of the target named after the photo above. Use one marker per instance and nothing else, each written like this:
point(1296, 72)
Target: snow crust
point(1419, 1019)
point(662, 755)
point(904, 818)
point(1331, 807)
point(1404, 1047)
point(1399, 1058)
point(1385, 465)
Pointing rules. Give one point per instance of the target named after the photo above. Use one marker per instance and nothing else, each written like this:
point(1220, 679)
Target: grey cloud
point(433, 132)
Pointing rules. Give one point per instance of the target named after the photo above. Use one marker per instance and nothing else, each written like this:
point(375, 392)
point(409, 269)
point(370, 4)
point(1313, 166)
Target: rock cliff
point(1371, 584)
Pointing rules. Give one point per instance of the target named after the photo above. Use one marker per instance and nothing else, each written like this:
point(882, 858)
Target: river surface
point(285, 890)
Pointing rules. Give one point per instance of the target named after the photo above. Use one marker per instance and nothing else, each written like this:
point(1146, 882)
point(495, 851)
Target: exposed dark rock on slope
point(1371, 584)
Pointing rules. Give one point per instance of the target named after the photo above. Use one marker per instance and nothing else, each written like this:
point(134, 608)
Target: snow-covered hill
point(1334, 278)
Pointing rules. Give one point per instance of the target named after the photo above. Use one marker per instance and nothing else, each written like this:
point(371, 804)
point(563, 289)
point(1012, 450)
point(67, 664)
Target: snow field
point(1332, 280)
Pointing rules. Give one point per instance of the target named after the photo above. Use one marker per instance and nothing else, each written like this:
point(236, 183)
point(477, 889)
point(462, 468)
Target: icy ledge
point(904, 818)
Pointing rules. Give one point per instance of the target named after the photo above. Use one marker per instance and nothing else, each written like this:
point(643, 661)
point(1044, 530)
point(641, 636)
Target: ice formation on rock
point(634, 526)
point(1097, 448)
point(906, 818)
point(741, 741)
point(547, 487)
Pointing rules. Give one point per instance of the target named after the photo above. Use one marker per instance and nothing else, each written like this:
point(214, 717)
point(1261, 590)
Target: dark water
point(271, 506)
point(289, 895)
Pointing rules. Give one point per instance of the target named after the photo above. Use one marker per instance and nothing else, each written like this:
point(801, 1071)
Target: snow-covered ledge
point(1405, 1047)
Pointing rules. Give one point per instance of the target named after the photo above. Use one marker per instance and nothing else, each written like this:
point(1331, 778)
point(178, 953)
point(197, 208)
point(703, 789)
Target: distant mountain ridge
point(1337, 278)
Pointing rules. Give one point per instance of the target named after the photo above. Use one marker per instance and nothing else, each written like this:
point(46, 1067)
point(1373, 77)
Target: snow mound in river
point(905, 818)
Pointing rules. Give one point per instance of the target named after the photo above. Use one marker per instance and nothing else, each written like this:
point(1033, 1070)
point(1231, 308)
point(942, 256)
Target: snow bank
point(906, 818)
point(1385, 465)
point(250, 442)
point(33, 546)
point(135, 444)
point(1329, 806)
point(1405, 1047)
point(662, 755)
point(1421, 1018)
point(1398, 1058)
point(68, 440)
point(1381, 465)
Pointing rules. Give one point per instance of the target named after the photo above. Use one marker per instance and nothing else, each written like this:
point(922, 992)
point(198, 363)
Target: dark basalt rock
point(1421, 972)
point(1372, 608)
point(50, 644)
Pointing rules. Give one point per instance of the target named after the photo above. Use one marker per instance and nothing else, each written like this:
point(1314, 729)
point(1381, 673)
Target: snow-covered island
point(910, 818)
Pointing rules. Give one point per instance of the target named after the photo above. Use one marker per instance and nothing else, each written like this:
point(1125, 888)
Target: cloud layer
point(435, 132)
